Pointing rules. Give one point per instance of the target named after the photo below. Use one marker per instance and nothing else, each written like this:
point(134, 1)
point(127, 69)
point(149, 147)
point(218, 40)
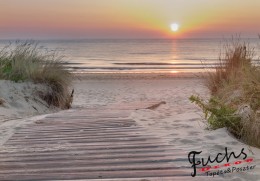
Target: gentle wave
point(143, 54)
point(135, 68)
point(150, 63)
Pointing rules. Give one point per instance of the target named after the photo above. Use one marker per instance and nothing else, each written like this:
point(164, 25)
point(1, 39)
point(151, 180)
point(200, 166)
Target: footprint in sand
point(177, 121)
point(210, 137)
point(232, 143)
point(220, 147)
point(174, 134)
point(194, 120)
point(186, 126)
point(186, 141)
point(194, 133)
point(174, 140)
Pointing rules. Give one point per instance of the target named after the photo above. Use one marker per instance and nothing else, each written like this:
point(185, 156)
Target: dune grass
point(235, 61)
point(235, 93)
point(26, 61)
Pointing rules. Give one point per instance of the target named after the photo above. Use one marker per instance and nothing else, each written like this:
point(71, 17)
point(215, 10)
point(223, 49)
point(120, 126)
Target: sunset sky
point(128, 18)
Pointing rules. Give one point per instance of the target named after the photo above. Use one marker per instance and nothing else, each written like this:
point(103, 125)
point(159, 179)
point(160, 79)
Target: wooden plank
point(101, 143)
point(91, 152)
point(94, 175)
point(84, 156)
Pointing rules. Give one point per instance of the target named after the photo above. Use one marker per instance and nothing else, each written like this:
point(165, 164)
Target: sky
point(68, 19)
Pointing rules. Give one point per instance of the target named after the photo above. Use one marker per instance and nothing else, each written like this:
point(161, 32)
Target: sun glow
point(174, 71)
point(175, 27)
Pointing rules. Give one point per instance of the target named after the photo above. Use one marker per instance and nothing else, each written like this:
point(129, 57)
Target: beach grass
point(234, 62)
point(27, 61)
point(235, 93)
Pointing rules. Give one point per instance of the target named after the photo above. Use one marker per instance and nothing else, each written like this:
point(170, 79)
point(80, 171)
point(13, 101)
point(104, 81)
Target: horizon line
point(82, 39)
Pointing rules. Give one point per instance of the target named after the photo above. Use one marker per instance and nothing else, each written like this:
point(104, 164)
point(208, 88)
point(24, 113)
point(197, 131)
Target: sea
point(140, 55)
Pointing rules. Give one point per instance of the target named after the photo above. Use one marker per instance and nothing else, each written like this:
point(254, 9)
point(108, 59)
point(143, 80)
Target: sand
point(179, 122)
point(21, 100)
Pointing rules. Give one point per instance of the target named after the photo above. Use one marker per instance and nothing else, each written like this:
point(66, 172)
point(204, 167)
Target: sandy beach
point(173, 118)
point(178, 121)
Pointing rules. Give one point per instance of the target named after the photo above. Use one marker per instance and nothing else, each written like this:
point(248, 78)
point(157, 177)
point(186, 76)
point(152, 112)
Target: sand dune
point(21, 100)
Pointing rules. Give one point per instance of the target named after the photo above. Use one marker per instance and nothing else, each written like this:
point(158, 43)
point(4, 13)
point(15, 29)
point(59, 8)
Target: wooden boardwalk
point(98, 144)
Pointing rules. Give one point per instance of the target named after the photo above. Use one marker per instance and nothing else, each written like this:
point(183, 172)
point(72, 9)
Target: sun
point(175, 27)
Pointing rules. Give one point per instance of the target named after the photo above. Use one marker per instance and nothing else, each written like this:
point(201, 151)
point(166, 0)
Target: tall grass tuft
point(237, 56)
point(27, 61)
point(235, 93)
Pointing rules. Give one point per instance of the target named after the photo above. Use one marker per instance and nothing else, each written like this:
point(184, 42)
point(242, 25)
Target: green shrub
point(26, 61)
point(219, 115)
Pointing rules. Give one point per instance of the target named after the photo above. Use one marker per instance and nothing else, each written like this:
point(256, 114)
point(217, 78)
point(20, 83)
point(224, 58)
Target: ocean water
point(142, 55)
